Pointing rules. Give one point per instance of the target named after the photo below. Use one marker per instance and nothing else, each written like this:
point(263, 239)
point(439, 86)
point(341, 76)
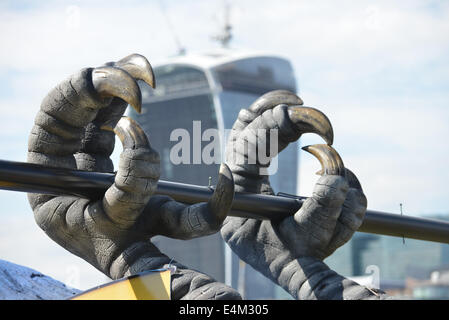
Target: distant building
point(211, 89)
point(397, 261)
point(434, 288)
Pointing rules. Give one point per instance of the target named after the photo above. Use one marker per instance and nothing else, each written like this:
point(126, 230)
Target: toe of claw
point(306, 119)
point(114, 82)
point(138, 67)
point(118, 79)
point(312, 120)
point(330, 160)
point(274, 98)
point(130, 133)
point(221, 201)
point(352, 180)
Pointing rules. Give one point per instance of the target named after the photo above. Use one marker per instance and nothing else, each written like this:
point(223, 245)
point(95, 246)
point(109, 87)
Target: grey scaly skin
point(72, 130)
point(291, 251)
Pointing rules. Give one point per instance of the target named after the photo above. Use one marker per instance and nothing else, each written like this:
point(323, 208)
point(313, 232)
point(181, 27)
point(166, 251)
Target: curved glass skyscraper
point(197, 93)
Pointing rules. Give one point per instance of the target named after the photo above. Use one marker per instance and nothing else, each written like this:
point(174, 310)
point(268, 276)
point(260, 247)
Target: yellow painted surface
point(152, 285)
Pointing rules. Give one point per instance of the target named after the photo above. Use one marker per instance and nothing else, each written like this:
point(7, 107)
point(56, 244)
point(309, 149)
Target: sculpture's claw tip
point(221, 201)
point(312, 120)
point(138, 67)
point(130, 133)
point(330, 160)
point(274, 98)
point(114, 82)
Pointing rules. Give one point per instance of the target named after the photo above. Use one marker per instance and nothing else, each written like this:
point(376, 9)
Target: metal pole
point(34, 178)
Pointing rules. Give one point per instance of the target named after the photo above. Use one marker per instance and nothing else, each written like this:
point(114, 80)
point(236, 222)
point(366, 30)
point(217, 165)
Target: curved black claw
point(352, 180)
point(130, 133)
point(309, 119)
point(115, 82)
point(273, 98)
point(330, 160)
point(221, 201)
point(118, 79)
point(138, 67)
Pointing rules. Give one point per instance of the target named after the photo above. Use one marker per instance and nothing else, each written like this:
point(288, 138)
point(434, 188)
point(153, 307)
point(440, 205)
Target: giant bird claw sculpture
point(73, 130)
point(290, 251)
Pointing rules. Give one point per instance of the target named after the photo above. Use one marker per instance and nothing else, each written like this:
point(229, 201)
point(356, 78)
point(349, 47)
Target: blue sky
point(379, 70)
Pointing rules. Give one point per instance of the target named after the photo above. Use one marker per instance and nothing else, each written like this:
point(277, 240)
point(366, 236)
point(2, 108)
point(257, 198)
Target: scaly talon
point(274, 98)
point(306, 119)
point(118, 79)
point(221, 200)
point(330, 160)
point(130, 133)
point(312, 120)
point(115, 82)
point(138, 67)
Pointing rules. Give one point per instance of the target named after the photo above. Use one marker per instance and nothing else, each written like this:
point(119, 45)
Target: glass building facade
point(398, 261)
point(195, 98)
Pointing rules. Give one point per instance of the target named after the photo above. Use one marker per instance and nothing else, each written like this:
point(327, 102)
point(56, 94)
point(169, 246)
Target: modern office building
point(397, 262)
point(195, 93)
